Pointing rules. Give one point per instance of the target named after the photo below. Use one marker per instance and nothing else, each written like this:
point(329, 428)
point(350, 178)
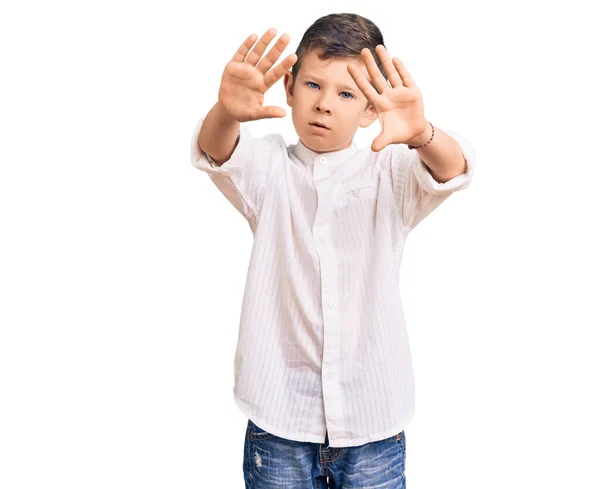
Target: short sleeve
point(243, 178)
point(415, 190)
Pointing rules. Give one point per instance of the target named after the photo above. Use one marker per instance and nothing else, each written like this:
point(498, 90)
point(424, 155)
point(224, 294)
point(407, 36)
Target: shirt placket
point(329, 298)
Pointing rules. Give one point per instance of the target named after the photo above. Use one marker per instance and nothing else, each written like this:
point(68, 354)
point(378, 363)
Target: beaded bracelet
point(423, 145)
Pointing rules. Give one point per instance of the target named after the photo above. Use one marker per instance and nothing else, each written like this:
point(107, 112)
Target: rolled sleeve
point(242, 179)
point(416, 192)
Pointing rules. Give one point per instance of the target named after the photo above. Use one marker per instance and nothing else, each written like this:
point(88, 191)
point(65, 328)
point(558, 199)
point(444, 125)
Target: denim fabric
point(273, 462)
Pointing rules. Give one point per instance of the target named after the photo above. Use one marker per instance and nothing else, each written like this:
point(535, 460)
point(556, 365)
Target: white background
point(122, 267)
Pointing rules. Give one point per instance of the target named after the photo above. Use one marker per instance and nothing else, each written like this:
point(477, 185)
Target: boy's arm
point(245, 80)
point(416, 191)
point(219, 134)
point(443, 158)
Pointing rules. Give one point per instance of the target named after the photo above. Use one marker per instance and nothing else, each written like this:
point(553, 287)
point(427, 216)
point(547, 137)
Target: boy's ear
point(368, 117)
point(287, 83)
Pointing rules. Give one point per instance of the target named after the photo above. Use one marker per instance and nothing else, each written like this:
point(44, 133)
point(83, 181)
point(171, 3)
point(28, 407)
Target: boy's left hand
point(400, 107)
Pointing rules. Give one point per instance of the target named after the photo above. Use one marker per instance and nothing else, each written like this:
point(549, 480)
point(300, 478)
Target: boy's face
point(325, 92)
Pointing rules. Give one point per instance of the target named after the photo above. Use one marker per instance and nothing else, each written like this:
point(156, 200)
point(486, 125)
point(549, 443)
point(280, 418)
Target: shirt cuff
point(459, 182)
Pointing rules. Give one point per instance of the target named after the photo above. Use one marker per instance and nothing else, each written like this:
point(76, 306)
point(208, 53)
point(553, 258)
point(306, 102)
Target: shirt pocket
point(358, 191)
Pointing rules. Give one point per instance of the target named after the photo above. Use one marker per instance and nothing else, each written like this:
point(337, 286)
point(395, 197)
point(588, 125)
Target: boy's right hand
point(245, 80)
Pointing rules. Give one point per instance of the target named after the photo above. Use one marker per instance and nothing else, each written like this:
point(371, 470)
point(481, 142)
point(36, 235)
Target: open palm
point(246, 78)
point(399, 106)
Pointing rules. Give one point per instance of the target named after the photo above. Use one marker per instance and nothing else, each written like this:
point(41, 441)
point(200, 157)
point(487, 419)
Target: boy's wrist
point(422, 138)
point(224, 114)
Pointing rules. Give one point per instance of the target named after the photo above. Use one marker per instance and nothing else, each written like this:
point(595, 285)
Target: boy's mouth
point(318, 124)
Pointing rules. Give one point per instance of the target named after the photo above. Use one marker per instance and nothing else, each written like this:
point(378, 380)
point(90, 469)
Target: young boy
point(323, 368)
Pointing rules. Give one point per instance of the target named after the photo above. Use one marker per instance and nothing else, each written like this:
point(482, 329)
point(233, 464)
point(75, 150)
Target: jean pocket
point(256, 433)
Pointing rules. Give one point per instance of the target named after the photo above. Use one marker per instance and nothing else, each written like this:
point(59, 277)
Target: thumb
point(271, 111)
point(381, 142)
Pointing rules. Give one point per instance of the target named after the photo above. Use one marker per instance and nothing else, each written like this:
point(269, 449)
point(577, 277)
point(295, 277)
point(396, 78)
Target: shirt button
point(356, 192)
point(323, 160)
point(327, 376)
point(331, 304)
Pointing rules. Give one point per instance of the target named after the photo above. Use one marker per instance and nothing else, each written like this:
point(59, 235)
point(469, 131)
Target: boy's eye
point(347, 98)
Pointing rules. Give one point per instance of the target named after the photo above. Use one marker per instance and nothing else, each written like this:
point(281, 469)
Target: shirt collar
point(309, 156)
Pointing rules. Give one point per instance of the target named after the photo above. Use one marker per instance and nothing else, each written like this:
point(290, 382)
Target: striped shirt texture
point(322, 342)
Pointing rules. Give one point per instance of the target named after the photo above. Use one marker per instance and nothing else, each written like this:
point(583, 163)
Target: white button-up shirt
point(322, 341)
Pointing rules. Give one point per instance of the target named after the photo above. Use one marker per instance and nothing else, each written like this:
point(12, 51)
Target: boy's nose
point(322, 104)
point(323, 108)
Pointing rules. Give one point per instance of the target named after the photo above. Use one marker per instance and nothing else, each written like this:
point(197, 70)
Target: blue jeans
point(272, 462)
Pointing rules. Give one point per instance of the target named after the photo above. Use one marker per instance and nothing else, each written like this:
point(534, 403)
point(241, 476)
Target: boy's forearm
point(443, 156)
point(219, 134)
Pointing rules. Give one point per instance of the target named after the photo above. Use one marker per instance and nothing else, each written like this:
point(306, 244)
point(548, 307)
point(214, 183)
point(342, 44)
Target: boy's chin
point(316, 144)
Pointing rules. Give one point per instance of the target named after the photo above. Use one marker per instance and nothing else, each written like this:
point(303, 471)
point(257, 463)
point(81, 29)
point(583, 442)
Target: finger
point(260, 47)
point(388, 66)
point(404, 74)
point(381, 142)
point(270, 111)
point(276, 73)
point(374, 72)
point(363, 84)
point(242, 52)
point(273, 55)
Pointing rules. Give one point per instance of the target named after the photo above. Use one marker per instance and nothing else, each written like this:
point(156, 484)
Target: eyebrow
point(347, 87)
